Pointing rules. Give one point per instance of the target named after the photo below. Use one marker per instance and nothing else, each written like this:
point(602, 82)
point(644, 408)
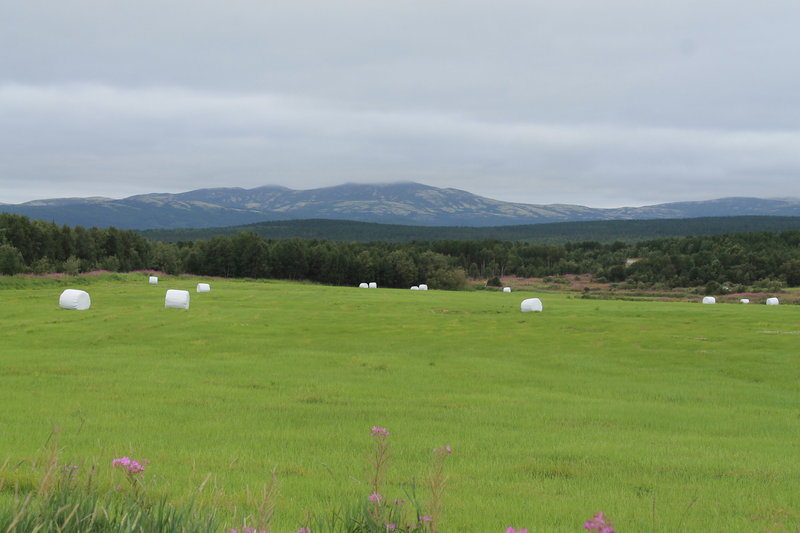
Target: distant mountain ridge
point(396, 203)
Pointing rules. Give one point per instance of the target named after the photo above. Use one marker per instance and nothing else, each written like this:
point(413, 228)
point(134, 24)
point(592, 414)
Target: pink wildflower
point(426, 518)
point(443, 451)
point(375, 497)
point(131, 466)
point(379, 432)
point(512, 530)
point(304, 530)
point(598, 524)
point(390, 526)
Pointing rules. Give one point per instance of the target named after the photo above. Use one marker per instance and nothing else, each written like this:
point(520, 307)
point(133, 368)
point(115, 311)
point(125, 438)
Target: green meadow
point(667, 416)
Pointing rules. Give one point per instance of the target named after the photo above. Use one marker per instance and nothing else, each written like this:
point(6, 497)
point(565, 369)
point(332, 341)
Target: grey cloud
point(571, 60)
point(575, 101)
point(107, 137)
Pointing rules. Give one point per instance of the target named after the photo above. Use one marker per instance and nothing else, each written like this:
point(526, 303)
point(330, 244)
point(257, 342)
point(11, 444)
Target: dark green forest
point(605, 231)
point(735, 260)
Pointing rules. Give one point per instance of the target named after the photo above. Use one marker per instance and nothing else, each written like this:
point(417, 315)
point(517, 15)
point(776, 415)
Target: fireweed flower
point(375, 497)
point(131, 466)
point(379, 432)
point(598, 524)
point(512, 530)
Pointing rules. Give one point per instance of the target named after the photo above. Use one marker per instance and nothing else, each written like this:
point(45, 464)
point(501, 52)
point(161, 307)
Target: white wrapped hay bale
point(423, 287)
point(709, 300)
point(363, 286)
point(203, 287)
point(506, 289)
point(75, 300)
point(153, 280)
point(744, 301)
point(414, 288)
point(177, 299)
point(772, 301)
point(531, 304)
point(373, 285)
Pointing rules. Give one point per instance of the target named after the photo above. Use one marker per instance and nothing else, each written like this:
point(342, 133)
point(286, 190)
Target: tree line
point(605, 231)
point(714, 261)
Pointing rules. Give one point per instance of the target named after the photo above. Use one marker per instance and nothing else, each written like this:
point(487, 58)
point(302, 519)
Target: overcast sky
point(600, 103)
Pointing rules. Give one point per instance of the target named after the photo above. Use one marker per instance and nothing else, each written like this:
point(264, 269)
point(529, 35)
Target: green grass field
point(666, 416)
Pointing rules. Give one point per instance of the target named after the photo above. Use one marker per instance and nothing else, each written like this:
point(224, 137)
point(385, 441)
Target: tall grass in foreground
point(65, 498)
point(63, 501)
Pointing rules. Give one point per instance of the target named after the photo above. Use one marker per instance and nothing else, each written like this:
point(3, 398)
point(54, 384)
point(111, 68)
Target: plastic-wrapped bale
point(423, 287)
point(363, 286)
point(177, 299)
point(203, 287)
point(709, 300)
point(744, 301)
point(75, 300)
point(773, 301)
point(531, 304)
point(506, 289)
point(373, 285)
point(153, 280)
point(414, 288)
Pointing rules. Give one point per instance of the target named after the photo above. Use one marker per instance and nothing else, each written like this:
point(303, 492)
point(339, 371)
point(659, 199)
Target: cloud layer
point(602, 104)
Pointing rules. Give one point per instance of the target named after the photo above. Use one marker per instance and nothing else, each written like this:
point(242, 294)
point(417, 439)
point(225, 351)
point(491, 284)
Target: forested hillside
point(733, 260)
point(605, 231)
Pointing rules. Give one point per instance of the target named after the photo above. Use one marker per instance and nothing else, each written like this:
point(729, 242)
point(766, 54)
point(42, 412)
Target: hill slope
point(397, 203)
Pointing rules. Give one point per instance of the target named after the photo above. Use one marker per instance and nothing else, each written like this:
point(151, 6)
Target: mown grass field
point(666, 416)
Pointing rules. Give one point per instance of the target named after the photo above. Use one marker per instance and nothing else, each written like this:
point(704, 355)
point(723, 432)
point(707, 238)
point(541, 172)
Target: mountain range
point(396, 203)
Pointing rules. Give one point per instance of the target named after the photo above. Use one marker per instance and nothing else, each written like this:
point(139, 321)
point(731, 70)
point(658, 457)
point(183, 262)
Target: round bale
point(414, 288)
point(506, 289)
point(373, 285)
point(773, 301)
point(709, 300)
point(531, 304)
point(744, 301)
point(153, 280)
point(203, 287)
point(363, 286)
point(75, 300)
point(176, 299)
point(423, 287)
